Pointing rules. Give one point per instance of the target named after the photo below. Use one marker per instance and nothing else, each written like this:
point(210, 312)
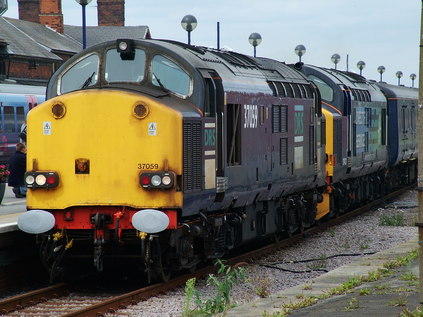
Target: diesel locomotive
point(172, 154)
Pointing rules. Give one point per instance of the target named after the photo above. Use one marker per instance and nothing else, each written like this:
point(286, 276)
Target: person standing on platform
point(17, 169)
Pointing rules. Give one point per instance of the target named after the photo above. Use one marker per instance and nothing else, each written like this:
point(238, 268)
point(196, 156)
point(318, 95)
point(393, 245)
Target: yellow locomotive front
point(104, 161)
point(102, 144)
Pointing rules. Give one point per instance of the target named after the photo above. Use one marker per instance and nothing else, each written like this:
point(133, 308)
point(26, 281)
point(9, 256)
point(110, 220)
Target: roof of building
point(99, 34)
point(35, 40)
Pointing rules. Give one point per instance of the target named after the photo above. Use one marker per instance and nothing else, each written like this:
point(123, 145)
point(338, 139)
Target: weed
point(373, 276)
point(400, 302)
point(413, 283)
point(365, 291)
point(382, 287)
point(331, 232)
point(416, 313)
point(364, 246)
point(408, 277)
point(402, 290)
point(261, 286)
point(396, 220)
point(276, 314)
point(190, 291)
point(307, 287)
point(353, 303)
point(305, 302)
point(223, 285)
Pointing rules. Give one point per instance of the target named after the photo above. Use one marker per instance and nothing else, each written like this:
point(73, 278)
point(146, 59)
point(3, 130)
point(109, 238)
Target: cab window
point(80, 75)
point(170, 76)
point(124, 70)
point(326, 91)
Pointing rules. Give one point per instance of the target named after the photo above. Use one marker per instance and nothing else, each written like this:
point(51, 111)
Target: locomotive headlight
point(156, 180)
point(166, 180)
point(123, 46)
point(40, 180)
point(29, 180)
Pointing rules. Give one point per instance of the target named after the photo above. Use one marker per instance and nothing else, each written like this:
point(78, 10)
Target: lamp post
point(335, 59)
point(412, 77)
point(84, 3)
point(189, 23)
point(399, 75)
point(381, 70)
point(255, 39)
point(300, 50)
point(360, 66)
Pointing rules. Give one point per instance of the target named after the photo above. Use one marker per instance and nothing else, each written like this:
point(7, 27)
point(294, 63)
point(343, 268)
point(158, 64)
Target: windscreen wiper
point(88, 81)
point(160, 84)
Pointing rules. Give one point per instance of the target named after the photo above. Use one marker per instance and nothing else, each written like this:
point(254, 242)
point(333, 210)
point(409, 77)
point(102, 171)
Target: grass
point(353, 303)
point(365, 291)
point(396, 220)
point(400, 302)
point(408, 277)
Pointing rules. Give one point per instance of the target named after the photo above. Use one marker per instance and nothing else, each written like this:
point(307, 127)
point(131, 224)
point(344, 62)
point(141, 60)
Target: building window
point(32, 65)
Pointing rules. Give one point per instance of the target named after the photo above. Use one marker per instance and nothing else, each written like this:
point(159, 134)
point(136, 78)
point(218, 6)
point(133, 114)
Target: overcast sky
point(379, 32)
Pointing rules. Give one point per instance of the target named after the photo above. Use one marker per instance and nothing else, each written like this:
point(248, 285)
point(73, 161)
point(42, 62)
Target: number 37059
point(148, 166)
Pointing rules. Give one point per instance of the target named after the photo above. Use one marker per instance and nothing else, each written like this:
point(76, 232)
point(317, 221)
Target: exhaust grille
point(193, 161)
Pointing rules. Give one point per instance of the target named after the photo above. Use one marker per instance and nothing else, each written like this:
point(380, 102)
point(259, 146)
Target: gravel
point(353, 239)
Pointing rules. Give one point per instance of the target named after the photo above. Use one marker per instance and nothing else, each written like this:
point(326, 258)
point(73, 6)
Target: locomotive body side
point(402, 133)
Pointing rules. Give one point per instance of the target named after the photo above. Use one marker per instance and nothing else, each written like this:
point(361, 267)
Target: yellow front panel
point(99, 125)
point(329, 142)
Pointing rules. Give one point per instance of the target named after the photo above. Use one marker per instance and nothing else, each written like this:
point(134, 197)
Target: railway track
point(59, 300)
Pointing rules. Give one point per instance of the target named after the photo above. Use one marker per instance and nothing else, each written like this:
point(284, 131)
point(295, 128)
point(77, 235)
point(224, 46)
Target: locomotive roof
point(393, 91)
point(235, 63)
point(351, 80)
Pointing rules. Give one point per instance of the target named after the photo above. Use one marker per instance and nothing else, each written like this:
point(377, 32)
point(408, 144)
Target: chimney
point(29, 10)
point(111, 12)
point(47, 12)
point(51, 14)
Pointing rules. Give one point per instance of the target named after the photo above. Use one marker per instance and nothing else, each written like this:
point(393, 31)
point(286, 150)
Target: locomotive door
point(213, 108)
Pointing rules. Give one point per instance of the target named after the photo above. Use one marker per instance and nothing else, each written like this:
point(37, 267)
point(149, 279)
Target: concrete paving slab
point(387, 297)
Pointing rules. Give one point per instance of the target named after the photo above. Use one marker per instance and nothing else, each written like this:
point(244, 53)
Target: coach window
point(124, 70)
point(9, 119)
point(170, 76)
point(80, 75)
point(20, 116)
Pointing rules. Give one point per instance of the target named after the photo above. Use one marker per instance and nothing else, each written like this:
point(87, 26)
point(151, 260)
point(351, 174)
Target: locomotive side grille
point(284, 119)
point(284, 152)
point(192, 156)
point(279, 119)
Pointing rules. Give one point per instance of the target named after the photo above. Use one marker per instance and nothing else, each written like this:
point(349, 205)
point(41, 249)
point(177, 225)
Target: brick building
point(34, 46)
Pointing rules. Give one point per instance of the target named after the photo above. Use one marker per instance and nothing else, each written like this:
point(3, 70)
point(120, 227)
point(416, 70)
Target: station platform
point(384, 297)
point(10, 209)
